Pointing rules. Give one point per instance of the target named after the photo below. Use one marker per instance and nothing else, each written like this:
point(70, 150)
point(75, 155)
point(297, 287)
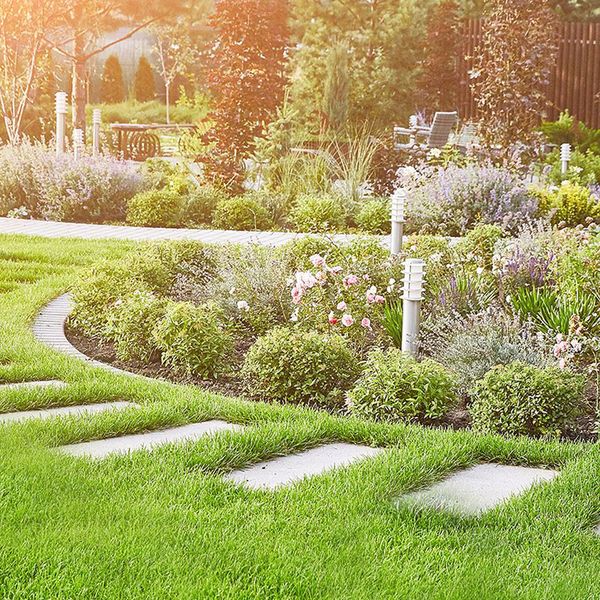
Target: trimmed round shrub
point(156, 208)
point(374, 216)
point(295, 366)
point(192, 339)
point(570, 204)
point(244, 213)
point(131, 321)
point(318, 213)
point(201, 203)
point(520, 399)
point(396, 387)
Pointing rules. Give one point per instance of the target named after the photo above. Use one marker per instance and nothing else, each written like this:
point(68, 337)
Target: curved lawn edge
point(49, 329)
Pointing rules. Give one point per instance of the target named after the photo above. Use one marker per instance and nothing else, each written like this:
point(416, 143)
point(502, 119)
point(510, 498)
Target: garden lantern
point(61, 113)
point(565, 157)
point(398, 218)
point(414, 277)
point(77, 143)
point(96, 121)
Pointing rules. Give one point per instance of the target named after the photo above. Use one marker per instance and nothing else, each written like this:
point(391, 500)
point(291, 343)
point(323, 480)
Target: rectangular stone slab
point(62, 411)
point(147, 441)
point(477, 489)
point(23, 385)
point(597, 529)
point(285, 470)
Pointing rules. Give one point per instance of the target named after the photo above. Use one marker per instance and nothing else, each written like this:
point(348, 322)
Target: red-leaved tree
point(246, 79)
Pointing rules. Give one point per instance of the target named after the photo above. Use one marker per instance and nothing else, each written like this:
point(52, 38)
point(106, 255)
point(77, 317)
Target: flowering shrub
point(44, 186)
point(290, 365)
point(453, 199)
point(396, 387)
point(520, 399)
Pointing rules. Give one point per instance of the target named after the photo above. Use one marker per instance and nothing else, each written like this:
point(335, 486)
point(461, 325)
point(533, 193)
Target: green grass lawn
point(164, 525)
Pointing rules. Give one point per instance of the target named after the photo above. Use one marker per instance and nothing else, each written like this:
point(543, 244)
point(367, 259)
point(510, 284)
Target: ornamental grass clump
point(290, 365)
point(396, 387)
point(520, 399)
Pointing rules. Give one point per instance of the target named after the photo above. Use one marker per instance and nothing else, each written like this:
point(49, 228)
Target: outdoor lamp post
point(77, 143)
point(61, 114)
point(565, 157)
point(398, 219)
point(96, 121)
point(414, 276)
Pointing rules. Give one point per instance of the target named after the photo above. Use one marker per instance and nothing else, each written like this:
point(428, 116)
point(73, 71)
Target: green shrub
point(396, 387)
point(243, 213)
point(480, 243)
point(201, 203)
point(374, 216)
point(130, 324)
point(291, 365)
point(318, 213)
point(584, 168)
point(156, 208)
point(571, 204)
point(520, 399)
point(192, 339)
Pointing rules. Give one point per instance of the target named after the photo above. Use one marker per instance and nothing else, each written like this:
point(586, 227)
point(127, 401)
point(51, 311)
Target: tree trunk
point(167, 102)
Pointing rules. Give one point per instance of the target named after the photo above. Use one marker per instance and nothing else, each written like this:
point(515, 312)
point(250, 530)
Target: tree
point(113, 88)
point(385, 41)
point(144, 88)
point(512, 69)
point(439, 80)
point(337, 88)
point(23, 25)
point(176, 51)
point(245, 76)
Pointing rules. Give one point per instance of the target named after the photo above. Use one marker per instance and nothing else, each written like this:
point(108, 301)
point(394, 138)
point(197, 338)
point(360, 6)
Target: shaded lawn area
point(164, 525)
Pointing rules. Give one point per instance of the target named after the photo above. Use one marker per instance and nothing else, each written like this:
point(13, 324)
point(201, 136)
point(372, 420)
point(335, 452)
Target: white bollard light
point(77, 143)
point(398, 219)
point(413, 121)
point(414, 278)
point(96, 121)
point(565, 158)
point(61, 115)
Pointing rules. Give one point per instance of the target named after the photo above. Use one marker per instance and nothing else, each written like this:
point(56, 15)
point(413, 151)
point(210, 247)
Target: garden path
point(55, 229)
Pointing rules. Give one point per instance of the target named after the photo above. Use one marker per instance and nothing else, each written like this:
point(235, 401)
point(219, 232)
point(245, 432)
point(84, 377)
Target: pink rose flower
point(366, 323)
point(347, 320)
point(297, 294)
point(317, 260)
point(379, 300)
point(350, 280)
point(341, 305)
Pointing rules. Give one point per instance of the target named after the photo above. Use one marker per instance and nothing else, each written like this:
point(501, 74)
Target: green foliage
point(245, 213)
point(396, 387)
point(192, 339)
point(130, 324)
point(509, 85)
point(144, 88)
point(201, 204)
point(112, 86)
point(392, 322)
point(374, 216)
point(295, 366)
point(568, 130)
point(337, 88)
point(318, 213)
point(554, 313)
point(584, 168)
point(520, 399)
point(153, 111)
point(479, 243)
point(156, 208)
point(570, 204)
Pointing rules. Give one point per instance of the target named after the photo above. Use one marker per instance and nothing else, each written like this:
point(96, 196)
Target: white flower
point(243, 305)
point(479, 270)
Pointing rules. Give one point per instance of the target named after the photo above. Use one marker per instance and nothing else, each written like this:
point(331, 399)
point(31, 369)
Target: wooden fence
point(575, 84)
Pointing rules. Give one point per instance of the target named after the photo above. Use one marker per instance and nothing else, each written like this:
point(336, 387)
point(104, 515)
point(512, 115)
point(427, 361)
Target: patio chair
point(436, 135)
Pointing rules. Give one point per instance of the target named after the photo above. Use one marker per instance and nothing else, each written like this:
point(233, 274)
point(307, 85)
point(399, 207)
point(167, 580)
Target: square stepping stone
point(23, 385)
point(285, 470)
point(597, 529)
point(147, 441)
point(78, 410)
point(478, 489)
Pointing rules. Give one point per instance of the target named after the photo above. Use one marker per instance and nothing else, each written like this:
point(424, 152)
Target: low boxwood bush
point(296, 366)
point(520, 399)
point(192, 339)
point(245, 213)
point(131, 322)
point(318, 213)
point(156, 208)
point(396, 387)
point(201, 203)
point(374, 216)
